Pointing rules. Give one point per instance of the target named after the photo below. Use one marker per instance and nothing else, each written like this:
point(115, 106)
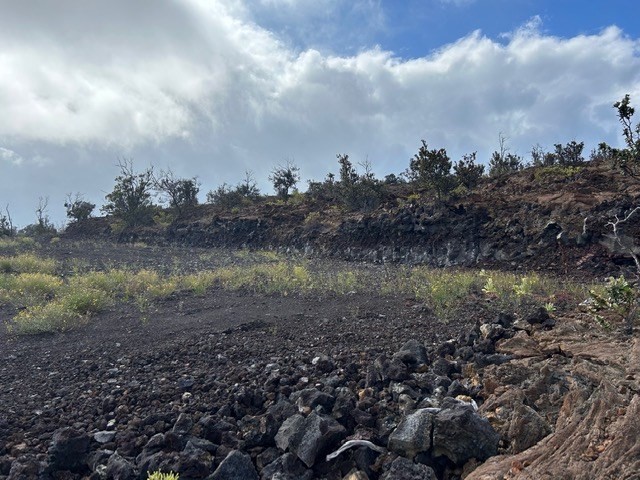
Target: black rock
point(27, 466)
point(461, 434)
point(194, 462)
point(183, 425)
point(236, 466)
point(286, 467)
point(68, 450)
point(308, 438)
point(311, 398)
point(412, 353)
point(119, 468)
point(402, 468)
point(413, 434)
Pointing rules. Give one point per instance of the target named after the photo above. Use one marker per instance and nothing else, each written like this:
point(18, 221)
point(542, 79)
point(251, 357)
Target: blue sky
point(414, 28)
point(212, 88)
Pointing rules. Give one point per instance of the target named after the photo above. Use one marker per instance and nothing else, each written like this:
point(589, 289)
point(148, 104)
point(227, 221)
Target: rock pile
point(411, 415)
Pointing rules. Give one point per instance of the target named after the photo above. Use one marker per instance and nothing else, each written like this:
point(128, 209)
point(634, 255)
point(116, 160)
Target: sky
point(213, 88)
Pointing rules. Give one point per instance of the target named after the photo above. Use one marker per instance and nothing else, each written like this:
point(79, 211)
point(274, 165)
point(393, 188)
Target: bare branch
point(618, 240)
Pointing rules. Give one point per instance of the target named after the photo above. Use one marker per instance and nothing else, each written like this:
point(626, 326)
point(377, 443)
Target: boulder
point(308, 438)
point(402, 468)
point(119, 468)
point(236, 466)
point(68, 451)
point(412, 353)
point(460, 434)
point(286, 467)
point(413, 434)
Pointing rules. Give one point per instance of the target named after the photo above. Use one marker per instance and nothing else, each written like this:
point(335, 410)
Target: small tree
point(43, 225)
point(78, 209)
point(604, 153)
point(130, 199)
point(467, 173)
point(569, 154)
point(227, 196)
point(502, 162)
point(179, 193)
point(284, 178)
point(432, 168)
point(6, 224)
point(248, 187)
point(357, 192)
point(628, 159)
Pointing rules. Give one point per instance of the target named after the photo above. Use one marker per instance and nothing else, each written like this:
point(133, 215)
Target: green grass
point(27, 263)
point(16, 243)
point(47, 302)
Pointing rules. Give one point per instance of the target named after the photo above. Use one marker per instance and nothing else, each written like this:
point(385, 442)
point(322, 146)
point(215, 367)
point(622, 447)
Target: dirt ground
point(137, 359)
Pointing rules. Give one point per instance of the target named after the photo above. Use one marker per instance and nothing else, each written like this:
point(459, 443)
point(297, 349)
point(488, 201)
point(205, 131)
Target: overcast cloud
point(201, 86)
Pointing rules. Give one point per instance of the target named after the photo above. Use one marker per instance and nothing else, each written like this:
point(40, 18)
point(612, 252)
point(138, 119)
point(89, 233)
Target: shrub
point(50, 317)
point(628, 159)
point(27, 263)
point(467, 173)
point(163, 476)
point(432, 168)
point(618, 298)
point(6, 224)
point(284, 178)
point(503, 162)
point(180, 193)
point(130, 199)
point(569, 154)
point(234, 197)
point(43, 225)
point(358, 192)
point(78, 210)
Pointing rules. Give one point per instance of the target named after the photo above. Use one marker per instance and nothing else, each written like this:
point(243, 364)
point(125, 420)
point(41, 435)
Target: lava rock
point(236, 466)
point(310, 398)
point(460, 434)
point(286, 467)
point(309, 437)
point(194, 462)
point(104, 436)
point(413, 434)
point(412, 353)
point(183, 425)
point(26, 466)
point(404, 469)
point(68, 450)
point(119, 468)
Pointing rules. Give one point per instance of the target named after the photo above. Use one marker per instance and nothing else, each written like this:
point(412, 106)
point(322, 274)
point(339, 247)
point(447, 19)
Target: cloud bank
point(200, 85)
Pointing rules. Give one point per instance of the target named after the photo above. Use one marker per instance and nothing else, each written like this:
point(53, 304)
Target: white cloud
point(10, 156)
point(200, 85)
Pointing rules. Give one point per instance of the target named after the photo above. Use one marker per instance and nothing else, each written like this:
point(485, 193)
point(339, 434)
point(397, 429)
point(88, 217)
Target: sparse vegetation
point(617, 300)
point(163, 476)
point(432, 169)
point(628, 159)
point(78, 209)
point(45, 301)
point(130, 200)
point(502, 161)
point(284, 178)
point(179, 193)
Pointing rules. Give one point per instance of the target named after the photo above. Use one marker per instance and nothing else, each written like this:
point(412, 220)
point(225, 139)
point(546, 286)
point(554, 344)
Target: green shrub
point(50, 317)
point(618, 298)
point(163, 476)
point(27, 263)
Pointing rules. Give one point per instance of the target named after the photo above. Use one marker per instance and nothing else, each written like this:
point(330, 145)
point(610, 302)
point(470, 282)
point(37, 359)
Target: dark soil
point(126, 366)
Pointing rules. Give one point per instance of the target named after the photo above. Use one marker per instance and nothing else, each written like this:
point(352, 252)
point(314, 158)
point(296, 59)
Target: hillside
point(544, 218)
point(243, 363)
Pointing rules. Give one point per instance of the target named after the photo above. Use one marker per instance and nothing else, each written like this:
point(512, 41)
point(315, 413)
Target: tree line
point(430, 170)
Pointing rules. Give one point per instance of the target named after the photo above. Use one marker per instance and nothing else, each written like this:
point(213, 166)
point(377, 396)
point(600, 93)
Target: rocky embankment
point(555, 401)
